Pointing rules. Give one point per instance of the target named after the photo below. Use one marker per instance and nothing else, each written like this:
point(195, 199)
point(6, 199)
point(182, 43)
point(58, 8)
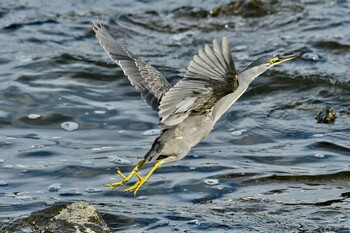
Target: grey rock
point(79, 217)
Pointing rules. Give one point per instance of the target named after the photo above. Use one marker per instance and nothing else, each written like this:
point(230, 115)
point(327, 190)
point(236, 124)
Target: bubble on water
point(34, 116)
point(211, 182)
point(142, 198)
point(9, 166)
point(151, 132)
point(118, 160)
point(54, 187)
point(100, 112)
point(121, 131)
point(319, 155)
point(318, 135)
point(69, 126)
point(3, 183)
point(238, 132)
point(194, 222)
point(93, 190)
point(311, 57)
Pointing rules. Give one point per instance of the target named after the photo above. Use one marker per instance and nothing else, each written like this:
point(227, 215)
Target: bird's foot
point(126, 178)
point(137, 185)
point(143, 180)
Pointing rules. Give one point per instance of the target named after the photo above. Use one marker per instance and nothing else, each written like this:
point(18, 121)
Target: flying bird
point(188, 110)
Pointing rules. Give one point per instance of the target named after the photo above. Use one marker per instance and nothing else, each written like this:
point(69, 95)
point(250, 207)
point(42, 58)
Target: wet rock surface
point(244, 8)
point(77, 217)
point(327, 115)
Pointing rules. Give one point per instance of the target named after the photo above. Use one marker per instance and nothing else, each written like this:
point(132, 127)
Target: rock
point(326, 116)
point(79, 217)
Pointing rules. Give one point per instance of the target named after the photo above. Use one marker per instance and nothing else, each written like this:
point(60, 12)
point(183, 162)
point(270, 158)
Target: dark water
point(266, 167)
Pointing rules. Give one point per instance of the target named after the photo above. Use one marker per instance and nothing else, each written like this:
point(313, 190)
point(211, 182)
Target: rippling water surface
point(266, 167)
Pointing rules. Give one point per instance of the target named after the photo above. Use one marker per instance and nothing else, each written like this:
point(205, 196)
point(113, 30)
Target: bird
point(189, 109)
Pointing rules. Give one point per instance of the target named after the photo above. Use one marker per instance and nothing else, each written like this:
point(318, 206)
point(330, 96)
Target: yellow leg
point(136, 184)
point(127, 178)
point(141, 180)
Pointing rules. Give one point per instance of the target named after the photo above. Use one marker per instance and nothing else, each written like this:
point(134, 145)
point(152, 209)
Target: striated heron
point(189, 109)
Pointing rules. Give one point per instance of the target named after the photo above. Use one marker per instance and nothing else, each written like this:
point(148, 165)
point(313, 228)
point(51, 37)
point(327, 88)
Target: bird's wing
point(145, 78)
point(210, 76)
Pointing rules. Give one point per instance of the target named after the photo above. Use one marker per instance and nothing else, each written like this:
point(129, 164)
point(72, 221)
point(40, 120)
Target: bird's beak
point(277, 60)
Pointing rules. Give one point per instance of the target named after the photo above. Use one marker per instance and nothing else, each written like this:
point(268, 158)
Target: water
point(266, 167)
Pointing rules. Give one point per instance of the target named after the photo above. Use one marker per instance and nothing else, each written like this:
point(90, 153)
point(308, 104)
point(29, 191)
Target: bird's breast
point(194, 129)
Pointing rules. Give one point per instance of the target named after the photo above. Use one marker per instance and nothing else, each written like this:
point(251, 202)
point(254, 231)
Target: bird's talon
point(111, 186)
point(135, 186)
point(121, 174)
point(114, 185)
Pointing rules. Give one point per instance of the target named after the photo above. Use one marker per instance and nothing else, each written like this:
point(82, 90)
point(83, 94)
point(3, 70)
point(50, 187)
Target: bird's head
point(260, 65)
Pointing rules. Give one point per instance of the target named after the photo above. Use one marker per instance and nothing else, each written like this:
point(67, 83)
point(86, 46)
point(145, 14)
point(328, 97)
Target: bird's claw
point(125, 179)
point(114, 185)
point(135, 187)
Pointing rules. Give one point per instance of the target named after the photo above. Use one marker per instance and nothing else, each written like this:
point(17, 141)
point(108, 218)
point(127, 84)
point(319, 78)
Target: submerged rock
point(77, 217)
point(252, 8)
point(244, 8)
point(326, 116)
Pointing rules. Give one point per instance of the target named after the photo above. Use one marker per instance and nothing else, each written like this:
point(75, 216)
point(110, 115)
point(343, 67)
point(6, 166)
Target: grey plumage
point(189, 110)
point(210, 76)
point(146, 79)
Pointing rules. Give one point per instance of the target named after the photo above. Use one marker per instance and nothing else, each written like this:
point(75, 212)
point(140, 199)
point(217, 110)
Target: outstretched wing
point(146, 79)
point(210, 76)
